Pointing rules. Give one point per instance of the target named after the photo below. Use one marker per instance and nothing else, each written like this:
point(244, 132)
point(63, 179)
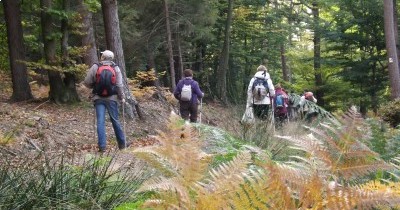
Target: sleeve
point(119, 83)
point(249, 100)
point(302, 100)
point(271, 88)
point(314, 99)
point(177, 91)
point(197, 90)
point(90, 78)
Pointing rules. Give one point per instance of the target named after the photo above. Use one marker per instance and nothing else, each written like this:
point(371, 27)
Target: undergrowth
point(57, 182)
point(330, 168)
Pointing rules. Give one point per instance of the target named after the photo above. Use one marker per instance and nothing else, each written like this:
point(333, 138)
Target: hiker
point(105, 79)
point(260, 92)
point(307, 96)
point(281, 101)
point(308, 113)
point(188, 92)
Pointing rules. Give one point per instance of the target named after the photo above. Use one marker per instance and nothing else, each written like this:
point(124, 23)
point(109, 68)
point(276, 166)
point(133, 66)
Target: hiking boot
point(102, 150)
point(121, 147)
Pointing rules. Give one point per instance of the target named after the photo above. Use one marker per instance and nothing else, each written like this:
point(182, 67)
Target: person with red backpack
point(105, 78)
point(281, 101)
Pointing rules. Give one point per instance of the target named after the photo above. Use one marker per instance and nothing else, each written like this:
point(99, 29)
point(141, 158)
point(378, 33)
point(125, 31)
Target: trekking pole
point(201, 109)
point(273, 114)
point(123, 118)
point(94, 124)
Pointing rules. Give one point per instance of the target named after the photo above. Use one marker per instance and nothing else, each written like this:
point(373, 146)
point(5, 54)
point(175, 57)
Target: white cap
point(107, 54)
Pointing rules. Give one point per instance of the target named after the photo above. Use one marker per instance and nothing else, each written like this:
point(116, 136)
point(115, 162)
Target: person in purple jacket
point(188, 109)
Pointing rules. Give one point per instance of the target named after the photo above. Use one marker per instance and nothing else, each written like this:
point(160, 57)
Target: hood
point(260, 74)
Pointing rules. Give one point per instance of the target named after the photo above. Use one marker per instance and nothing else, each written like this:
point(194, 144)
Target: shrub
point(391, 113)
point(46, 182)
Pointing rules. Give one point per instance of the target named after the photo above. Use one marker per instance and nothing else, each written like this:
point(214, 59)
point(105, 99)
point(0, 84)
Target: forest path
point(28, 127)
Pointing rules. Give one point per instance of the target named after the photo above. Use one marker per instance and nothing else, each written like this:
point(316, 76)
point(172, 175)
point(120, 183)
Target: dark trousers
point(261, 111)
point(188, 110)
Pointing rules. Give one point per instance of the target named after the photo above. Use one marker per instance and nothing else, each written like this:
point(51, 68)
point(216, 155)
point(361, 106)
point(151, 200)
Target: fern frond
point(224, 180)
point(228, 173)
point(356, 170)
point(358, 198)
point(155, 159)
point(172, 185)
point(311, 145)
point(278, 189)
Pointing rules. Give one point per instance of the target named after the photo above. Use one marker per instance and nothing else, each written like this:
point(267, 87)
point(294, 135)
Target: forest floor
point(28, 127)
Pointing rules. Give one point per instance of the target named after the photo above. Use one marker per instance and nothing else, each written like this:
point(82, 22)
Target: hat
point(107, 54)
point(262, 68)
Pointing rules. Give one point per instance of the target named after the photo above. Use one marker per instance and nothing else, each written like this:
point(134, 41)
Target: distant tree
point(69, 79)
point(169, 45)
point(393, 62)
point(317, 54)
point(88, 40)
point(61, 90)
point(114, 43)
point(224, 57)
point(21, 88)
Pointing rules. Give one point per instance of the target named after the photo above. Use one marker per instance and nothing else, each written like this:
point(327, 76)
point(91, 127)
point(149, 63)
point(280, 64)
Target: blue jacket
point(196, 92)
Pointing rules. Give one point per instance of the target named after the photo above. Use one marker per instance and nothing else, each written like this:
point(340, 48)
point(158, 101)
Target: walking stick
point(201, 109)
point(273, 114)
point(123, 118)
point(94, 124)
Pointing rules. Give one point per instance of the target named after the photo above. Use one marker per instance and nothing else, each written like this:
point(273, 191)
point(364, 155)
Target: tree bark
point(394, 75)
point(180, 56)
point(317, 56)
point(88, 39)
point(285, 70)
point(69, 80)
point(224, 57)
point(59, 93)
point(169, 45)
point(19, 75)
point(114, 43)
point(396, 30)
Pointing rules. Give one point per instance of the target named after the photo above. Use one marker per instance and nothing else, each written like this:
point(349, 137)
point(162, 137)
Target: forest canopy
point(336, 49)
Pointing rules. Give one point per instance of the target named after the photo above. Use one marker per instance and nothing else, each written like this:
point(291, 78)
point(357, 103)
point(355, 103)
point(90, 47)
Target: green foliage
point(390, 112)
point(46, 182)
point(93, 5)
point(4, 58)
point(379, 140)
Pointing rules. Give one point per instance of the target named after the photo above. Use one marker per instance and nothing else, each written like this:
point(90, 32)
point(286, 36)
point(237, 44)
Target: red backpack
point(106, 81)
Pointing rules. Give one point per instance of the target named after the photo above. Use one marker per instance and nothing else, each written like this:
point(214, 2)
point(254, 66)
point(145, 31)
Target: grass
point(55, 182)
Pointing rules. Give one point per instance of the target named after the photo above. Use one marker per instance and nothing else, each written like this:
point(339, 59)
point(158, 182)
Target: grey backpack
point(186, 93)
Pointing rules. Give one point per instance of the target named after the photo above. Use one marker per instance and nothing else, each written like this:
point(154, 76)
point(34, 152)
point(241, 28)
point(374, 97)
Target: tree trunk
point(393, 66)
point(114, 43)
point(88, 39)
point(285, 70)
point(180, 56)
point(317, 56)
point(69, 80)
point(224, 57)
point(169, 45)
point(19, 75)
point(151, 67)
point(396, 30)
point(374, 89)
point(59, 93)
